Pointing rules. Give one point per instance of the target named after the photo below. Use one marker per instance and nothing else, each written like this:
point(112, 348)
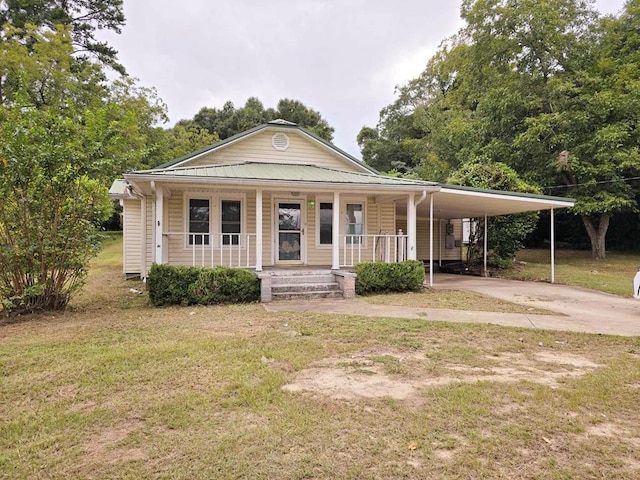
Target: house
point(277, 199)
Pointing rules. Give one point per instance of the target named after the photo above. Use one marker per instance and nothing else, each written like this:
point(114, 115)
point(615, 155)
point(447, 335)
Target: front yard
point(116, 389)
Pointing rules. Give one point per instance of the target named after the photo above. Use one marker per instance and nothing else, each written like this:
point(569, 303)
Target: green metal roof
point(118, 188)
point(280, 172)
point(275, 123)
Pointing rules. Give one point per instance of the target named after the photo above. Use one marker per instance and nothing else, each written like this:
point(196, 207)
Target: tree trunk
point(597, 233)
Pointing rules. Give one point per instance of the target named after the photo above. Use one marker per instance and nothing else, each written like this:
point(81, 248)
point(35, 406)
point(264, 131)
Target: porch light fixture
point(295, 194)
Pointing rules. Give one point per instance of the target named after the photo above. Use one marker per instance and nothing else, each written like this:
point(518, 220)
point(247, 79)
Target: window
point(199, 227)
point(354, 222)
point(231, 222)
point(326, 223)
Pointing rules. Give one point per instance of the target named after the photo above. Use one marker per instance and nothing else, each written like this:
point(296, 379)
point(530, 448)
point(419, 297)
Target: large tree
point(64, 134)
point(545, 86)
point(229, 120)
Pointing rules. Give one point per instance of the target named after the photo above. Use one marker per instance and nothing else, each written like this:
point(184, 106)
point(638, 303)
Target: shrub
point(377, 277)
point(180, 285)
point(224, 285)
point(169, 284)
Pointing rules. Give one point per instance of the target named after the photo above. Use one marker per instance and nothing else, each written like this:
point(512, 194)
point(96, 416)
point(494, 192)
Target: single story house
point(277, 198)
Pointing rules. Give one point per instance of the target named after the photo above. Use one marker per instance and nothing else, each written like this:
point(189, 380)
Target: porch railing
point(383, 247)
point(212, 250)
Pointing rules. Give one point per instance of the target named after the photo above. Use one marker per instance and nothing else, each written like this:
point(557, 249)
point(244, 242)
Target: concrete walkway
point(580, 310)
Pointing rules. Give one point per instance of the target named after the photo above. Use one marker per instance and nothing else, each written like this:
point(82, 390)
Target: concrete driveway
point(580, 310)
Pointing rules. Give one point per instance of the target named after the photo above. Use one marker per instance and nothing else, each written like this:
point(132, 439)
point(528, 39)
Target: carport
point(457, 202)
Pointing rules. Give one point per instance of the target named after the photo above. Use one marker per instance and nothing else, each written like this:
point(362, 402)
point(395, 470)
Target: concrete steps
point(304, 284)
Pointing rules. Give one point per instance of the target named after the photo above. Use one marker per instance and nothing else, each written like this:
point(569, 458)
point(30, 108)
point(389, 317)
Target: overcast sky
point(342, 58)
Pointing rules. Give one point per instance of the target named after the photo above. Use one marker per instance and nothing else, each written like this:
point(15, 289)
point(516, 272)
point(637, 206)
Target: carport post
point(553, 247)
point(431, 240)
point(485, 246)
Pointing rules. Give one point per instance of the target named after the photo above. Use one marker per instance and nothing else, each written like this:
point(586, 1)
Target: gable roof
point(278, 124)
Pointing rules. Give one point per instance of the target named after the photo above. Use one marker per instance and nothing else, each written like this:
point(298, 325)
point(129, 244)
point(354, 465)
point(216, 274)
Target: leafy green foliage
point(181, 285)
point(83, 17)
point(377, 277)
point(229, 120)
point(49, 211)
point(64, 134)
point(505, 233)
point(169, 284)
point(545, 86)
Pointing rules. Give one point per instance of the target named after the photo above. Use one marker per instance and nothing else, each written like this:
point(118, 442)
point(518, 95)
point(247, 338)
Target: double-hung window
point(231, 222)
point(325, 220)
point(354, 213)
point(199, 221)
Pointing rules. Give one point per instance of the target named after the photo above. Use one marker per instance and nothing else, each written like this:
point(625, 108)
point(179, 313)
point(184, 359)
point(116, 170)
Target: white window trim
point(343, 217)
point(318, 200)
point(215, 217)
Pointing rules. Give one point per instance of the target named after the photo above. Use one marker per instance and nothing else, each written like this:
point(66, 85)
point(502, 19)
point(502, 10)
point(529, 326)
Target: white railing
point(383, 247)
point(212, 250)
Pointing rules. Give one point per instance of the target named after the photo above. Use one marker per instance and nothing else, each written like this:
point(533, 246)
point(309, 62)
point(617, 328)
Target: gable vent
point(280, 141)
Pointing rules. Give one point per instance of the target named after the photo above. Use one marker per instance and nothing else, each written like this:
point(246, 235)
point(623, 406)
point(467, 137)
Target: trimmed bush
point(224, 285)
point(378, 277)
point(180, 285)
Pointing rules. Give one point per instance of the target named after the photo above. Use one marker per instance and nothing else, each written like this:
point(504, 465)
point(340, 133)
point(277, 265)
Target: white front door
point(289, 232)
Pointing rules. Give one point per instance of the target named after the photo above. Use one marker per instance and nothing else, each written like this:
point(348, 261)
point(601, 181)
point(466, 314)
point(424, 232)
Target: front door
point(289, 232)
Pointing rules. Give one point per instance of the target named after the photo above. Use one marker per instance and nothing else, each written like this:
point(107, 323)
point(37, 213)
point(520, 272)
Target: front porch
point(260, 229)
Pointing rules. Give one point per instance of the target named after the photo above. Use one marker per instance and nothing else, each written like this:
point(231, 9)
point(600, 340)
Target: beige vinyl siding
point(258, 148)
point(439, 232)
point(267, 229)
point(132, 237)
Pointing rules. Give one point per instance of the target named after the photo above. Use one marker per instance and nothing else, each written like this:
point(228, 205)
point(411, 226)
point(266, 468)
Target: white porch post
point(411, 227)
point(553, 247)
point(258, 230)
point(440, 242)
point(159, 239)
point(335, 230)
point(143, 243)
point(484, 249)
point(431, 239)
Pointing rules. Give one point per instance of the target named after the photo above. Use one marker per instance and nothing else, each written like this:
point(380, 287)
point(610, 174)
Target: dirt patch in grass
point(368, 376)
point(109, 445)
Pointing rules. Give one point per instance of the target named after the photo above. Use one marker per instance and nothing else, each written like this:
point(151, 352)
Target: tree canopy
point(83, 17)
point(229, 120)
point(548, 87)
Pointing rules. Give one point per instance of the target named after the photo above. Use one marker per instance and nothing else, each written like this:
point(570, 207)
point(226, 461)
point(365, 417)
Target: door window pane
point(199, 221)
point(289, 246)
point(289, 217)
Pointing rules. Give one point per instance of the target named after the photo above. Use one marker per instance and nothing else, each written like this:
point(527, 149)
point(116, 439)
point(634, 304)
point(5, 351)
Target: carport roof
point(453, 201)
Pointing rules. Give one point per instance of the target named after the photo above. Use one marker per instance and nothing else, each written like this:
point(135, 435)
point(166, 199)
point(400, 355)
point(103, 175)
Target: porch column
point(143, 234)
point(553, 247)
point(431, 240)
point(159, 239)
point(411, 227)
point(335, 232)
point(258, 230)
point(484, 250)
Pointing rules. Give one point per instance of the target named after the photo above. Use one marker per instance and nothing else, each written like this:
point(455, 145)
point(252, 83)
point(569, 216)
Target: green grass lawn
point(116, 389)
point(613, 274)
